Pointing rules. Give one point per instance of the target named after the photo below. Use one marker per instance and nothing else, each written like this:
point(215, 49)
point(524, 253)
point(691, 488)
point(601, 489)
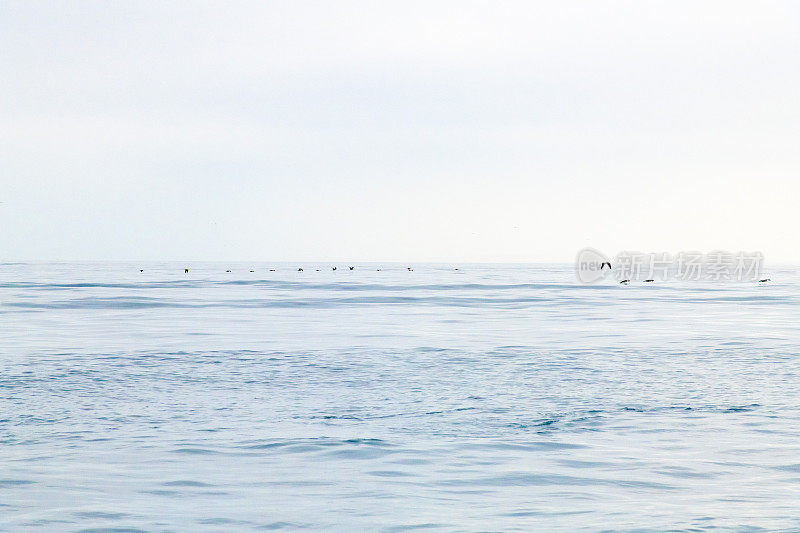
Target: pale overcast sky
point(409, 131)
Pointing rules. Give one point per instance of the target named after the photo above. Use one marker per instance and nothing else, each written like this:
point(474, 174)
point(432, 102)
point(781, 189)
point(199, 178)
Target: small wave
point(92, 515)
point(314, 444)
point(299, 285)
point(528, 479)
point(185, 483)
point(6, 483)
point(274, 526)
point(416, 527)
point(756, 299)
point(112, 530)
point(127, 302)
point(88, 285)
point(195, 451)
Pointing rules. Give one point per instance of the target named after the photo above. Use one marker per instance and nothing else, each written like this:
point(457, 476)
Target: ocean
point(488, 398)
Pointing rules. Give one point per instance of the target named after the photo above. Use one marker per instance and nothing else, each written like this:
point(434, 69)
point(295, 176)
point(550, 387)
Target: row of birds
point(623, 282)
point(626, 281)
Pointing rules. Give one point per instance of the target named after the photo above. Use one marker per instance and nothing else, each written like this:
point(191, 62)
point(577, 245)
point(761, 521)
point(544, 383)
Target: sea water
point(488, 398)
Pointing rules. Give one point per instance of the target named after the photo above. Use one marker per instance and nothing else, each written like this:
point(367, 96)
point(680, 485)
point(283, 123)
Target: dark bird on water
point(648, 280)
point(141, 270)
point(272, 270)
point(351, 268)
point(625, 282)
point(299, 269)
point(334, 268)
point(227, 271)
point(602, 265)
point(185, 270)
point(252, 271)
point(409, 269)
point(764, 280)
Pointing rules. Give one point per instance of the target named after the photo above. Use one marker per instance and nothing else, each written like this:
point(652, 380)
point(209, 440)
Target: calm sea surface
point(489, 398)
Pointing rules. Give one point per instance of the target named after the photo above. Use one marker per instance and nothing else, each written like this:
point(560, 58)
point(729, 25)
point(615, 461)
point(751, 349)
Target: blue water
point(491, 398)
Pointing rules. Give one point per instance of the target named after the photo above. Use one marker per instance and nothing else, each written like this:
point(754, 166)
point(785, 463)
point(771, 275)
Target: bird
point(409, 269)
point(625, 282)
point(227, 271)
point(141, 270)
point(764, 280)
point(602, 265)
point(648, 280)
point(185, 270)
point(351, 268)
point(272, 270)
point(299, 269)
point(333, 268)
point(252, 271)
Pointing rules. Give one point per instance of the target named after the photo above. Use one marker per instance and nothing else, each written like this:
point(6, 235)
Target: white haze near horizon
point(397, 131)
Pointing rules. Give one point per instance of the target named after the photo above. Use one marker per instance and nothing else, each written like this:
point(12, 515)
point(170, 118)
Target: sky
point(397, 131)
